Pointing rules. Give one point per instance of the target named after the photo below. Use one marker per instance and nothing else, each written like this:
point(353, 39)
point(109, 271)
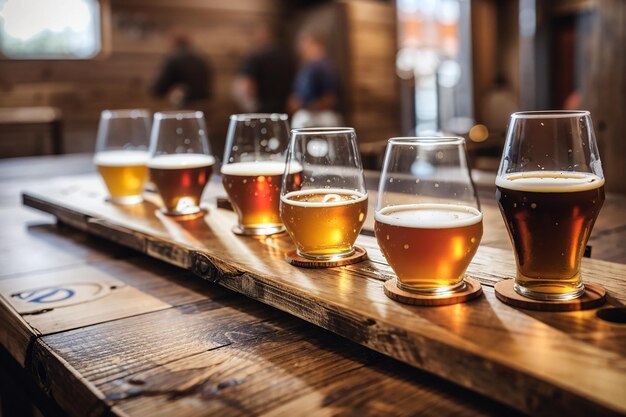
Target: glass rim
point(321, 130)
point(240, 117)
point(549, 114)
point(123, 112)
point(178, 114)
point(426, 140)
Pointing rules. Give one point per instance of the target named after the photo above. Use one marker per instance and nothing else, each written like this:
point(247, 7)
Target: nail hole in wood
point(613, 315)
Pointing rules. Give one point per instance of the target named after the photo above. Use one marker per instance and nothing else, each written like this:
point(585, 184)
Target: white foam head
point(255, 168)
point(429, 216)
point(121, 158)
point(332, 197)
point(181, 161)
point(550, 181)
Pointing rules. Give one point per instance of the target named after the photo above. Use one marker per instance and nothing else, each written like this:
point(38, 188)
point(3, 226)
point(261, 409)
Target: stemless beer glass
point(180, 162)
point(428, 221)
point(122, 153)
point(325, 210)
point(550, 188)
point(252, 171)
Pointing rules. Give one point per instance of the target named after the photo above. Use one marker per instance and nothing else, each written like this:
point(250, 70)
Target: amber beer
point(429, 246)
point(324, 223)
point(549, 216)
point(253, 189)
point(180, 180)
point(124, 172)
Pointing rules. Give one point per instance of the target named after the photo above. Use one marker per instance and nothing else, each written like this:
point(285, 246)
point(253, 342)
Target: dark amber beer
point(180, 180)
point(124, 172)
point(324, 223)
point(429, 246)
point(254, 192)
point(549, 216)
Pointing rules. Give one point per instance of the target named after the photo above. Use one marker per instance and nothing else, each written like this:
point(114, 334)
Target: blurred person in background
point(315, 99)
point(264, 80)
point(184, 77)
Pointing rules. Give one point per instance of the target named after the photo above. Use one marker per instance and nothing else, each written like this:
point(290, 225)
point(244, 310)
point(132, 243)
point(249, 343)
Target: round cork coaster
point(472, 290)
point(294, 259)
point(594, 296)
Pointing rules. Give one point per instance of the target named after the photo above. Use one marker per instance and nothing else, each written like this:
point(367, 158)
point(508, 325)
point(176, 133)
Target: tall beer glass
point(122, 153)
point(181, 162)
point(550, 188)
point(325, 211)
point(428, 221)
point(252, 171)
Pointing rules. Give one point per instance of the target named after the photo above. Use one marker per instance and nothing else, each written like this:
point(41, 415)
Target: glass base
point(536, 295)
point(126, 200)
point(433, 291)
point(192, 212)
point(329, 257)
point(258, 231)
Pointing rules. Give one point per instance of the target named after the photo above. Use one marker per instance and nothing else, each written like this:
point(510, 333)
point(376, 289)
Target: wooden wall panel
point(373, 100)
point(220, 31)
point(604, 92)
point(121, 78)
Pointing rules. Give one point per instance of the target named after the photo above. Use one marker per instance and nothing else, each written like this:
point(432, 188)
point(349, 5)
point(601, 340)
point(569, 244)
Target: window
point(50, 29)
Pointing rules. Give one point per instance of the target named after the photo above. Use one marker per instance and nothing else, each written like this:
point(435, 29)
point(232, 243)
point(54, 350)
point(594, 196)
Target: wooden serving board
point(570, 363)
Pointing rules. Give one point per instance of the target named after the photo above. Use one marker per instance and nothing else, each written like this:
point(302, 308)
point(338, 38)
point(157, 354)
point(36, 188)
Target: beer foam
point(255, 168)
point(121, 158)
point(179, 161)
point(550, 181)
point(429, 216)
point(329, 200)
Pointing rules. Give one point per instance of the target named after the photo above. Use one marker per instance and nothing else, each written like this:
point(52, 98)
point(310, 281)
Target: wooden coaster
point(594, 296)
point(472, 290)
point(294, 259)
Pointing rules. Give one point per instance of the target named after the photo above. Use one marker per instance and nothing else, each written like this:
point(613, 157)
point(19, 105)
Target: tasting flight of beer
point(309, 183)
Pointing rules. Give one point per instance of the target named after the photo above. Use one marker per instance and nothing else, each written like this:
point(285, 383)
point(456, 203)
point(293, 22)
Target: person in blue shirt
point(316, 86)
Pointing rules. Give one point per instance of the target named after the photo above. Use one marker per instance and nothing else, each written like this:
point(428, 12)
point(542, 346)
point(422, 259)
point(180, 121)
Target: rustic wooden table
point(170, 344)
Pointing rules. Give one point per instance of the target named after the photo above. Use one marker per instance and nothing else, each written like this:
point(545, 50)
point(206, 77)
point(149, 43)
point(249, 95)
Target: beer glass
point(325, 210)
point(550, 189)
point(122, 153)
point(428, 222)
point(252, 171)
point(181, 162)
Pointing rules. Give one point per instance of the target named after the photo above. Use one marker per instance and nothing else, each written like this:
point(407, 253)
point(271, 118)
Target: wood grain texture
point(250, 360)
point(289, 374)
point(526, 361)
point(131, 288)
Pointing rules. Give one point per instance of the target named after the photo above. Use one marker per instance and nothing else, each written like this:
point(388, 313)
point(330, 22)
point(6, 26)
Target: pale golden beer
point(253, 189)
point(324, 223)
point(549, 216)
point(429, 246)
point(180, 180)
point(124, 173)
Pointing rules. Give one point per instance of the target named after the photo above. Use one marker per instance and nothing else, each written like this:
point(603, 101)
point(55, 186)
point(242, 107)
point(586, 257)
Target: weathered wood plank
point(87, 294)
point(242, 358)
point(30, 242)
point(304, 372)
point(540, 368)
point(105, 352)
